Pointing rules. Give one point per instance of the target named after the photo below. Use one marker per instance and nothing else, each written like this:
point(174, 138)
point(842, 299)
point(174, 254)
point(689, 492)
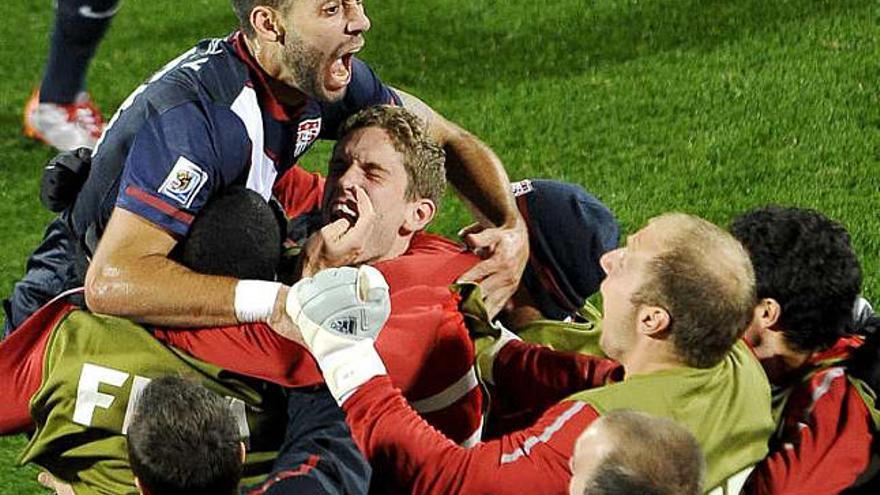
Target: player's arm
point(479, 177)
point(530, 377)
point(131, 275)
point(337, 314)
point(179, 159)
point(533, 460)
point(829, 451)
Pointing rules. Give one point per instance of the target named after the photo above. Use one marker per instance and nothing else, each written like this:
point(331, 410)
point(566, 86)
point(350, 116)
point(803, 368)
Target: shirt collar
point(270, 102)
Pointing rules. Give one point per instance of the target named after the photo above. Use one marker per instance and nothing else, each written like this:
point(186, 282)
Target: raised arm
point(478, 175)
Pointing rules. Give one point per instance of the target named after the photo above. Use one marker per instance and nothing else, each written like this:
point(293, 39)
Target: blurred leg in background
point(60, 111)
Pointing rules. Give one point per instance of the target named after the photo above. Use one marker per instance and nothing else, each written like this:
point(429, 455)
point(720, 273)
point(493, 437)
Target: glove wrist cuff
point(348, 368)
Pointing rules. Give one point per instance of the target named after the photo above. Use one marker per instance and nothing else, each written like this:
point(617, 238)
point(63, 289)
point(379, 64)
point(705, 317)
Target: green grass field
point(704, 106)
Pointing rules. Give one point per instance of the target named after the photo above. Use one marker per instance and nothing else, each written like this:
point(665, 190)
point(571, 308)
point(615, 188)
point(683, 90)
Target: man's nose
point(358, 22)
point(349, 178)
point(607, 260)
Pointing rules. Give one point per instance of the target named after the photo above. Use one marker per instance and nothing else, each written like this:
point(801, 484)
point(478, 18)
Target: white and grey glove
point(339, 312)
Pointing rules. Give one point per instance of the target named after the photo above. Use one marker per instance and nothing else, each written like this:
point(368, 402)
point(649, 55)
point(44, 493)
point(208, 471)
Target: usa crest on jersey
point(306, 133)
point(184, 182)
point(521, 187)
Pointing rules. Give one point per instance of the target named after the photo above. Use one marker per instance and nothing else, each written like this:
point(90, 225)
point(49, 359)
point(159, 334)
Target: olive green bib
point(567, 336)
point(94, 367)
point(726, 407)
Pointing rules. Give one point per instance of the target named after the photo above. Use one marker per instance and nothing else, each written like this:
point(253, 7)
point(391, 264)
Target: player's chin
point(333, 88)
point(331, 94)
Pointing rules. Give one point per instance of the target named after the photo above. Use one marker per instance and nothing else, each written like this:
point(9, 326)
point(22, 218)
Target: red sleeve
point(22, 356)
point(829, 450)
point(531, 377)
point(299, 191)
point(534, 460)
point(251, 349)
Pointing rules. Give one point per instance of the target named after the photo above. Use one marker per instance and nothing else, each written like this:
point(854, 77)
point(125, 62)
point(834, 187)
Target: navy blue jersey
point(203, 123)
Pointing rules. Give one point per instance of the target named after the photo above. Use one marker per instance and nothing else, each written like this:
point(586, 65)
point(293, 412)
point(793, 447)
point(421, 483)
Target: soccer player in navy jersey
point(241, 111)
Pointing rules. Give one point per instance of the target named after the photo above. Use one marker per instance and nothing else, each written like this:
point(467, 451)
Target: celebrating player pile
point(204, 316)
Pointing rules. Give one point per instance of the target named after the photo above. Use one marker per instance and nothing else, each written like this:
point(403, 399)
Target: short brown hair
point(184, 439)
point(243, 8)
point(705, 280)
point(651, 455)
point(423, 159)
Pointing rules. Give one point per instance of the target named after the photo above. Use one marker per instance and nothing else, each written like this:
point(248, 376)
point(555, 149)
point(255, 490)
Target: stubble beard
point(304, 62)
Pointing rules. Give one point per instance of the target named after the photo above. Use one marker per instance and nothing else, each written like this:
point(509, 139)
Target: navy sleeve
point(178, 160)
point(365, 90)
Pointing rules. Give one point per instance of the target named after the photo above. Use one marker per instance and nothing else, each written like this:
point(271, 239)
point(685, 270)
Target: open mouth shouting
point(339, 72)
point(344, 208)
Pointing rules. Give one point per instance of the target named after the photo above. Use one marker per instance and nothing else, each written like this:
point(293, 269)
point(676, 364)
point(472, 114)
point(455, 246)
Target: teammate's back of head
point(235, 235)
point(626, 452)
point(183, 439)
point(804, 261)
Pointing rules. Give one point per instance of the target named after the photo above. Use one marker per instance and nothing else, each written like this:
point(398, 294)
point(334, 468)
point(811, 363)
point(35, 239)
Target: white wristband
point(255, 300)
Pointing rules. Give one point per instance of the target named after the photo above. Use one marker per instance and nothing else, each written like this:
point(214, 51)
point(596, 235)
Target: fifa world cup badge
point(184, 182)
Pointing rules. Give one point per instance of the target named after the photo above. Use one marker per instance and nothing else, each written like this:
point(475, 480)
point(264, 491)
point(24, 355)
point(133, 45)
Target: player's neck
point(398, 248)
point(268, 59)
point(650, 358)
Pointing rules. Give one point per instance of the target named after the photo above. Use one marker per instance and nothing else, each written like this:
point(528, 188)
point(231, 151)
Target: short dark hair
point(236, 234)
point(652, 456)
point(704, 280)
point(804, 261)
point(243, 8)
point(183, 439)
point(423, 159)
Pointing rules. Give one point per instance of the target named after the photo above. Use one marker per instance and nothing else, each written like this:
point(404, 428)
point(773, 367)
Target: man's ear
point(267, 25)
point(767, 314)
point(421, 213)
point(653, 320)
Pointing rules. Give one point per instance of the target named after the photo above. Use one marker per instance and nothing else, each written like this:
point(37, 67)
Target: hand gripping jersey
point(727, 407)
point(825, 427)
point(93, 368)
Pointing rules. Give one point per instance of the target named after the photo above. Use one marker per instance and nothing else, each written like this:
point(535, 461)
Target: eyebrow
point(375, 166)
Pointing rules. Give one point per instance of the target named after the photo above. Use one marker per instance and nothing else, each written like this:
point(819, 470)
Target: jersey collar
point(270, 102)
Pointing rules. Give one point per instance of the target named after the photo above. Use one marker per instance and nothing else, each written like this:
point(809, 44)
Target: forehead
point(370, 146)
point(652, 237)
